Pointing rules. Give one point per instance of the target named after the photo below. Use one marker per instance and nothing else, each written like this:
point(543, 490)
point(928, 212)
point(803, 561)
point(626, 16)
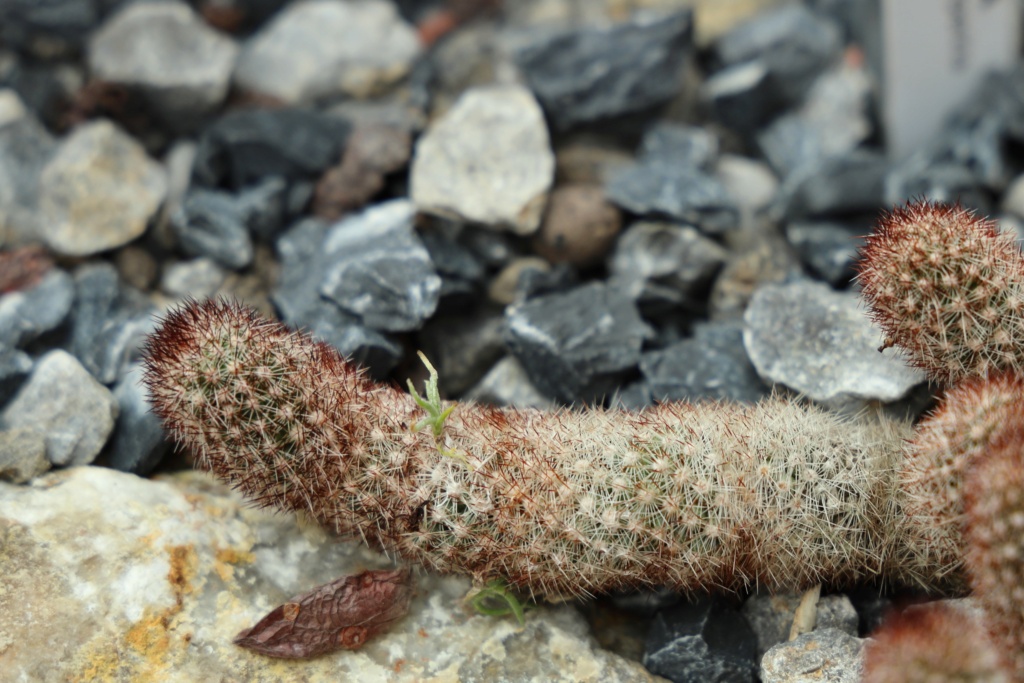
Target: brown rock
point(372, 152)
point(579, 227)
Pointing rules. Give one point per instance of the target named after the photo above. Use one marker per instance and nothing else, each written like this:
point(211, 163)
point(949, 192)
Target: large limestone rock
point(105, 576)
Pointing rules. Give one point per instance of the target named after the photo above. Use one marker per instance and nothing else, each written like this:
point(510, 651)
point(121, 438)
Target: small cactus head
point(948, 287)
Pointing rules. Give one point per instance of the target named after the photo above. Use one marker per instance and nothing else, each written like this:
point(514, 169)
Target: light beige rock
point(316, 49)
point(105, 576)
point(98, 191)
point(487, 160)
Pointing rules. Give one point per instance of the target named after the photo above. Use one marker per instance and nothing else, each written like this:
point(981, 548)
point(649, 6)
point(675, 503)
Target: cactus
point(994, 535)
point(933, 643)
point(930, 479)
point(781, 494)
point(948, 287)
point(561, 503)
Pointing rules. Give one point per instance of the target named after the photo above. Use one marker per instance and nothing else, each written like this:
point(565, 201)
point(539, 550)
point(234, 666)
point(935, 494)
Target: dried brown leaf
point(340, 615)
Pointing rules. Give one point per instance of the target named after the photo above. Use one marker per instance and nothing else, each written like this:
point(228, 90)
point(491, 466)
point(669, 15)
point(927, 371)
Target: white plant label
point(934, 54)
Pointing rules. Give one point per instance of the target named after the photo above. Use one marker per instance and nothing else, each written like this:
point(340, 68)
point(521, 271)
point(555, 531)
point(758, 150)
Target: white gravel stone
point(319, 49)
point(132, 579)
point(98, 191)
point(820, 343)
point(11, 106)
point(63, 402)
point(487, 160)
point(176, 59)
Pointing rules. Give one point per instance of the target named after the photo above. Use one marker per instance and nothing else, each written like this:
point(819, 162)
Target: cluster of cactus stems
point(781, 495)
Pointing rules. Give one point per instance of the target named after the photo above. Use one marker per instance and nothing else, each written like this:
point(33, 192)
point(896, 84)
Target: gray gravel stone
point(26, 314)
point(849, 184)
point(507, 384)
point(821, 656)
point(686, 145)
point(829, 250)
point(711, 365)
point(663, 263)
point(139, 441)
point(590, 74)
point(487, 160)
point(212, 223)
point(297, 297)
point(63, 402)
point(577, 345)
point(751, 183)
point(199, 278)
point(98, 191)
point(661, 188)
point(22, 455)
point(15, 366)
point(821, 344)
point(179, 64)
point(245, 146)
point(834, 119)
point(379, 270)
point(702, 641)
point(317, 49)
point(109, 321)
point(771, 617)
point(794, 43)
point(25, 148)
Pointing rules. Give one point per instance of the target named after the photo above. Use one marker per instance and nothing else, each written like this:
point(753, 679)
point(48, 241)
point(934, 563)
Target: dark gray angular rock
point(461, 270)
point(832, 121)
point(660, 188)
point(298, 299)
point(850, 184)
point(794, 43)
point(687, 145)
point(212, 223)
point(379, 270)
point(267, 204)
point(15, 366)
point(463, 346)
point(22, 455)
point(245, 146)
point(25, 149)
point(819, 343)
point(507, 384)
point(23, 23)
point(663, 264)
point(828, 249)
point(703, 641)
point(743, 97)
point(918, 178)
point(139, 442)
point(577, 345)
point(109, 321)
point(588, 74)
point(28, 313)
point(64, 403)
point(711, 365)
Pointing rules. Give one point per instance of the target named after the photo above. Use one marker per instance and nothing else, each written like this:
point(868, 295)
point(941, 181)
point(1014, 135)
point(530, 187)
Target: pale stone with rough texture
point(110, 577)
point(98, 191)
point(316, 49)
point(487, 160)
